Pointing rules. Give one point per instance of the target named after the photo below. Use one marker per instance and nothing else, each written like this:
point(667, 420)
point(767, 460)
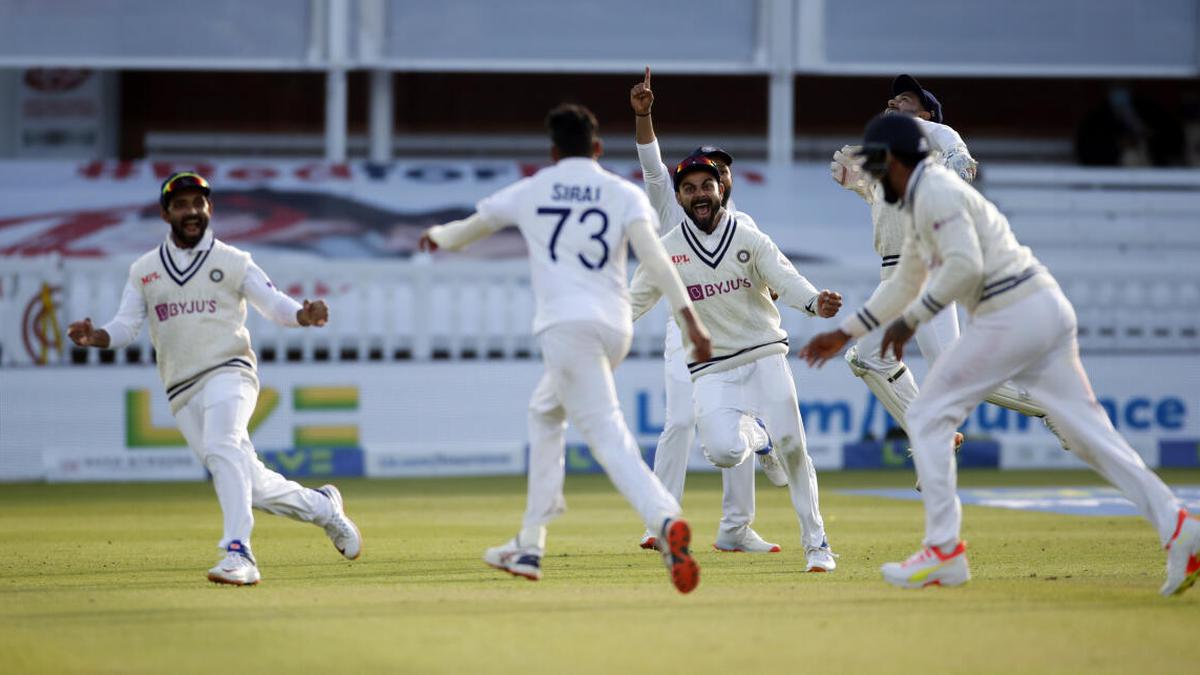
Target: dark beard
point(709, 224)
point(182, 239)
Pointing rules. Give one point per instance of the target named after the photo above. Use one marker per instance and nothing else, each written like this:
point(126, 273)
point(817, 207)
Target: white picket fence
point(421, 309)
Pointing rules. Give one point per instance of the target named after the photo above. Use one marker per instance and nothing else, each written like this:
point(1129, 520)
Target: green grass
point(110, 579)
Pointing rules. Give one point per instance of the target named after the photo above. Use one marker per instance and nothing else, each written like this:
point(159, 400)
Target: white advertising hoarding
point(468, 418)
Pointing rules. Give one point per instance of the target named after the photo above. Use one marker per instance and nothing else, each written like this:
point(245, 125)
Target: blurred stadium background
point(333, 131)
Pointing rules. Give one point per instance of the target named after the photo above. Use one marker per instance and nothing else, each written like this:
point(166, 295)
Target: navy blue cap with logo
point(713, 152)
point(929, 102)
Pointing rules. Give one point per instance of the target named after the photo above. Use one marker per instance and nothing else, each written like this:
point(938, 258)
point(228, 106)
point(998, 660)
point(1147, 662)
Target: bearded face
point(700, 195)
point(188, 214)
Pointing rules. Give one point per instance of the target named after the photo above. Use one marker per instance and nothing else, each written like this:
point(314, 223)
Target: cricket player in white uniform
point(959, 247)
point(679, 426)
point(578, 221)
point(745, 396)
point(197, 287)
point(888, 378)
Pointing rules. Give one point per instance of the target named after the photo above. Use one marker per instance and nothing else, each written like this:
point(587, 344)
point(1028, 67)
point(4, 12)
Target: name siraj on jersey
point(576, 193)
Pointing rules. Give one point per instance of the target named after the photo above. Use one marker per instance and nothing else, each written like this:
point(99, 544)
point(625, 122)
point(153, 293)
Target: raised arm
point(789, 286)
point(459, 233)
point(655, 176)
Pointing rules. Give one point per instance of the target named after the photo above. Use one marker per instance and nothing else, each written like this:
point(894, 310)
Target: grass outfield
point(110, 579)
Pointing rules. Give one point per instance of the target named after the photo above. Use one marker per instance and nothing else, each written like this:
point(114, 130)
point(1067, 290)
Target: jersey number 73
point(594, 219)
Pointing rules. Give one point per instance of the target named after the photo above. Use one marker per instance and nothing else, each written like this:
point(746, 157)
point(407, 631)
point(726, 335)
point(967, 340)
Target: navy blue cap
point(713, 152)
point(929, 102)
point(899, 134)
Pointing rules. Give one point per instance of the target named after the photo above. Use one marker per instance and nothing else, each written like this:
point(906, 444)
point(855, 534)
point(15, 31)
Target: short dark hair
point(573, 129)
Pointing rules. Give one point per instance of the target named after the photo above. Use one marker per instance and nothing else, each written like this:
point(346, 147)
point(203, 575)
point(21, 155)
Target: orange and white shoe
point(930, 567)
point(674, 542)
point(1183, 556)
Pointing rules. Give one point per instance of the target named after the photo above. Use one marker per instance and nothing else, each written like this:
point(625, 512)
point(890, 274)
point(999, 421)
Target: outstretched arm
point(117, 333)
point(663, 276)
point(459, 233)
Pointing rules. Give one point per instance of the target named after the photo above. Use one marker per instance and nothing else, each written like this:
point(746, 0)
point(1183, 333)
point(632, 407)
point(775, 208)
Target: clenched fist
point(313, 313)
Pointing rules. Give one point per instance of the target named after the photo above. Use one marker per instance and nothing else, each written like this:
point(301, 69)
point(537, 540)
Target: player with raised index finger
point(744, 395)
point(734, 532)
point(959, 247)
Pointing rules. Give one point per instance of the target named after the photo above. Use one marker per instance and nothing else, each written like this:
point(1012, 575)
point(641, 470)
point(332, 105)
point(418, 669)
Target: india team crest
point(216, 275)
point(743, 256)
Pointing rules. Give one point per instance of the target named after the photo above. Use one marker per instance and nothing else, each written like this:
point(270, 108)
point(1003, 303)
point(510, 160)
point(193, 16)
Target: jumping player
point(745, 396)
point(890, 379)
point(959, 247)
point(679, 427)
point(198, 287)
point(578, 221)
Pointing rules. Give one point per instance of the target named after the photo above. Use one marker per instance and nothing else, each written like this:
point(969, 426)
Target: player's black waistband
point(697, 366)
point(180, 387)
point(1008, 283)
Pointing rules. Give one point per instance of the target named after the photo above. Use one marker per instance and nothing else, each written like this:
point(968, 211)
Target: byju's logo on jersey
point(167, 310)
point(701, 291)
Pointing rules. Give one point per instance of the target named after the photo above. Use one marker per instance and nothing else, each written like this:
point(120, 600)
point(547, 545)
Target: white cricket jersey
point(197, 315)
point(574, 217)
point(728, 275)
point(963, 241)
point(660, 189)
point(946, 148)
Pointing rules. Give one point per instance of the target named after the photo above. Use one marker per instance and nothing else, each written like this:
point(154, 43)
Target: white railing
point(428, 310)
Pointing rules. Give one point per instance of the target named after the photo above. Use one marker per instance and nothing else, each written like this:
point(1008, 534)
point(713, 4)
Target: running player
point(889, 379)
point(959, 247)
point(577, 220)
point(198, 287)
point(745, 396)
point(679, 426)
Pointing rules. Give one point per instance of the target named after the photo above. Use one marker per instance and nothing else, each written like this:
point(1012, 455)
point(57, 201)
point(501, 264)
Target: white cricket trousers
point(578, 387)
point(1033, 343)
point(214, 424)
point(765, 389)
point(675, 444)
point(933, 338)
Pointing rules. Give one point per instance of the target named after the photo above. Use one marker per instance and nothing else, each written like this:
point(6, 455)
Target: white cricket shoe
point(820, 558)
point(930, 567)
point(748, 541)
point(1183, 556)
point(649, 542)
point(237, 568)
point(674, 541)
point(340, 529)
point(517, 560)
point(768, 459)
